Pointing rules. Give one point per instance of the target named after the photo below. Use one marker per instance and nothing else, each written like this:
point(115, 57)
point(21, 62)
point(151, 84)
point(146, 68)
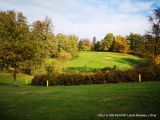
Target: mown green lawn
point(91, 60)
point(81, 102)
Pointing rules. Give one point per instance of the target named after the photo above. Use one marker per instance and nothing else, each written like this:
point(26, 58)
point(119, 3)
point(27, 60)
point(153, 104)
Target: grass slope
point(82, 102)
point(90, 59)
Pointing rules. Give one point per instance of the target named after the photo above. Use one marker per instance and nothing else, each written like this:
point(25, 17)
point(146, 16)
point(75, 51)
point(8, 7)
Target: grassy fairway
point(103, 59)
point(75, 102)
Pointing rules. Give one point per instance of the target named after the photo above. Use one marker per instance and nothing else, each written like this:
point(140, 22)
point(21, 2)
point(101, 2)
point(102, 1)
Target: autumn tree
point(16, 50)
point(121, 44)
point(84, 44)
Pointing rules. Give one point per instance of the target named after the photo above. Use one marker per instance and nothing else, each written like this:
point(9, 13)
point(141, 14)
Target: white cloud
point(87, 18)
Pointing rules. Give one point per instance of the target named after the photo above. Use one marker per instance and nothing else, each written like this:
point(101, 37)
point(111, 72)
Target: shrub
point(157, 59)
point(101, 77)
point(149, 73)
point(63, 56)
point(39, 80)
point(57, 67)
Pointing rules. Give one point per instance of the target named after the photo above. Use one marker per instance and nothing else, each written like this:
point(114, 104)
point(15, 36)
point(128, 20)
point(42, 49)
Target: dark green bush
point(115, 76)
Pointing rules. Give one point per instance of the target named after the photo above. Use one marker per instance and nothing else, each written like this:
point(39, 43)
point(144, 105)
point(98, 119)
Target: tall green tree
point(107, 42)
point(73, 40)
point(98, 46)
point(68, 43)
point(42, 32)
point(146, 45)
point(93, 43)
point(135, 40)
point(13, 34)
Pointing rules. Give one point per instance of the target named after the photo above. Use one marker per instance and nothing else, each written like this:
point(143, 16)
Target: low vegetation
point(103, 76)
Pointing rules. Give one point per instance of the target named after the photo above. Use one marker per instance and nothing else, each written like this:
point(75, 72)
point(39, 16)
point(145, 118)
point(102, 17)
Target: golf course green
point(97, 60)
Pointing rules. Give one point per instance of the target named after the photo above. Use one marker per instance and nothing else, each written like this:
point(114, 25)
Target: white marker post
point(139, 77)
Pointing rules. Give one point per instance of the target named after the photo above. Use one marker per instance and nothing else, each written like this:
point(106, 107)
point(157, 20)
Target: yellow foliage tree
point(121, 44)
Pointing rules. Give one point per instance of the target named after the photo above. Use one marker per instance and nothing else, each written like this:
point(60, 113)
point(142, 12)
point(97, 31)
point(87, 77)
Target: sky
point(88, 18)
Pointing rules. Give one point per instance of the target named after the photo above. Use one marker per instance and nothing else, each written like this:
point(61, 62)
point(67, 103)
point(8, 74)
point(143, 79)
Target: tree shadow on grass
point(132, 62)
point(80, 69)
point(87, 69)
point(128, 61)
point(5, 84)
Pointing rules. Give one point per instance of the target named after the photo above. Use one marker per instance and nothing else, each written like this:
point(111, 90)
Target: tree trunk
point(7, 67)
point(155, 49)
point(14, 77)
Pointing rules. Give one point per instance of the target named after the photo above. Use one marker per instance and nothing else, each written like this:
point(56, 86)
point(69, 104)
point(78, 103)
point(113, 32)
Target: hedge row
point(148, 74)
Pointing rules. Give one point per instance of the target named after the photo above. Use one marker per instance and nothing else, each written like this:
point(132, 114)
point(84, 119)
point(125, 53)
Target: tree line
point(143, 45)
point(147, 45)
point(23, 45)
